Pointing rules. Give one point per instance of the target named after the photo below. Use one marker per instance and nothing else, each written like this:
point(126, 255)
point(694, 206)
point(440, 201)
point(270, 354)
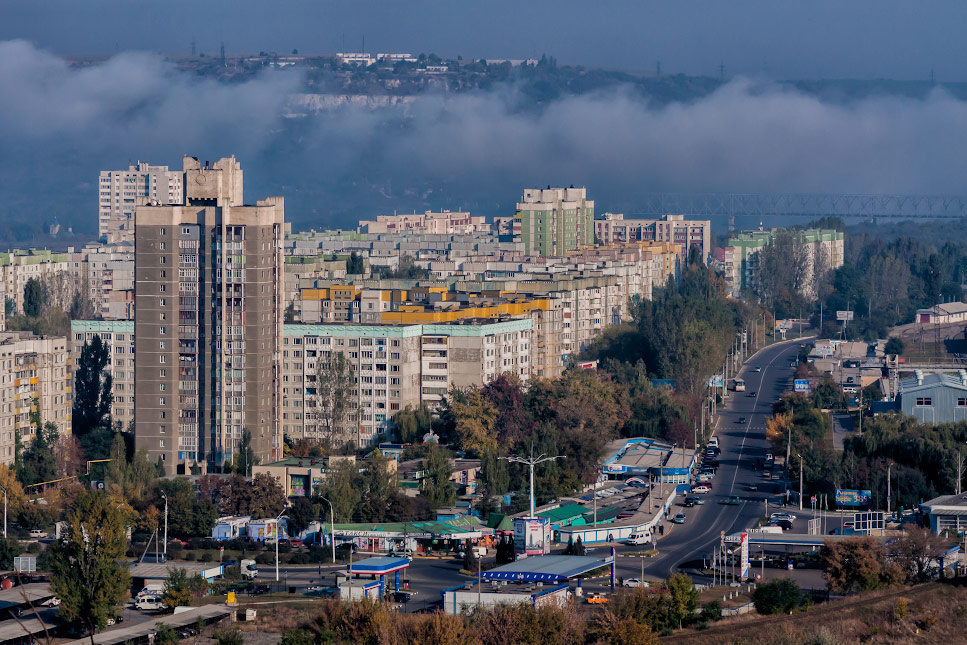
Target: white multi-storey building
point(118, 191)
point(35, 376)
point(118, 337)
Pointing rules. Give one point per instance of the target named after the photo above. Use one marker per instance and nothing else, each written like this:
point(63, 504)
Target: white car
point(635, 582)
point(37, 534)
point(702, 489)
point(783, 516)
point(51, 602)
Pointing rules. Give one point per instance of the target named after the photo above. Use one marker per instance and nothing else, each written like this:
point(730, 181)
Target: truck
point(249, 569)
point(152, 589)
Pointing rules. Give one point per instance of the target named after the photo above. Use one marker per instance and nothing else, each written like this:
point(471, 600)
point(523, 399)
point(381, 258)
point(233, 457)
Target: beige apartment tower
point(208, 322)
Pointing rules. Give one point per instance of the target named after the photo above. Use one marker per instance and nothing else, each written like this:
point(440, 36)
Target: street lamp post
point(532, 461)
point(278, 535)
point(332, 528)
point(4, 513)
point(800, 480)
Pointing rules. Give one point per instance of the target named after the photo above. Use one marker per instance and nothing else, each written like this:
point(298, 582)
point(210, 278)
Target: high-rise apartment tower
point(208, 322)
point(553, 221)
point(118, 193)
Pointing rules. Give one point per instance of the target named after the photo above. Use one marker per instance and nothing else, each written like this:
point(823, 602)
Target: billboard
point(716, 380)
point(848, 497)
point(801, 385)
point(844, 315)
point(532, 535)
point(744, 567)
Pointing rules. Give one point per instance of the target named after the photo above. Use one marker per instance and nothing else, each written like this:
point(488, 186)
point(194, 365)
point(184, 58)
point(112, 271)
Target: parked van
point(151, 589)
point(639, 538)
point(149, 603)
point(714, 441)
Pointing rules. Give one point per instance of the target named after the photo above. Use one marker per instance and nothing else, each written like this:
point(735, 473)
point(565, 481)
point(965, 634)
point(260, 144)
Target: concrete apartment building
point(687, 234)
point(445, 223)
point(396, 366)
point(35, 375)
point(108, 274)
point(741, 257)
point(118, 336)
point(554, 221)
point(208, 322)
point(118, 193)
point(19, 266)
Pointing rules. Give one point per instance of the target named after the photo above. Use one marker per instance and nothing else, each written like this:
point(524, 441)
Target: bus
point(738, 385)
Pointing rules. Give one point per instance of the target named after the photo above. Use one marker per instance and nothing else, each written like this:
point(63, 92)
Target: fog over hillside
point(59, 126)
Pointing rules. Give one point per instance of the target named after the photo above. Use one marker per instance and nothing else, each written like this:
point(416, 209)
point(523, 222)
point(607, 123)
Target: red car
point(296, 542)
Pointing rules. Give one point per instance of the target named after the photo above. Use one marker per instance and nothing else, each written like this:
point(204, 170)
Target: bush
point(34, 548)
point(296, 637)
point(777, 597)
point(189, 556)
point(206, 556)
point(712, 611)
point(894, 345)
point(229, 637)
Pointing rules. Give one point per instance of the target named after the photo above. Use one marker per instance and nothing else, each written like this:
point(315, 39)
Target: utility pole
point(533, 461)
point(5, 512)
point(960, 478)
point(889, 478)
point(332, 530)
point(165, 547)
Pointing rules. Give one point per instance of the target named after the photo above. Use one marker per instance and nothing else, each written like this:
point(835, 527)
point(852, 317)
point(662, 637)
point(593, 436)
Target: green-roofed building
point(605, 515)
point(567, 515)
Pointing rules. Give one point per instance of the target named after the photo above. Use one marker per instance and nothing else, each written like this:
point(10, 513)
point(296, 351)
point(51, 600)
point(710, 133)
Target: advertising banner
point(801, 385)
point(848, 497)
point(532, 535)
point(744, 568)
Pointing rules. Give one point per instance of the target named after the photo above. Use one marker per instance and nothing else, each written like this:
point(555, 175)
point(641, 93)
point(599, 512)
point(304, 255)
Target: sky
point(786, 39)
point(59, 125)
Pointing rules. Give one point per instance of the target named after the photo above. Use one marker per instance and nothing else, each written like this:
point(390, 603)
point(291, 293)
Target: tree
point(180, 588)
point(245, 459)
point(38, 463)
point(436, 486)
point(355, 265)
point(85, 572)
point(857, 564)
point(301, 513)
point(188, 516)
point(92, 389)
point(894, 345)
point(334, 396)
point(777, 597)
point(494, 473)
point(10, 548)
point(33, 298)
point(473, 420)
point(682, 597)
point(917, 551)
point(342, 487)
point(268, 498)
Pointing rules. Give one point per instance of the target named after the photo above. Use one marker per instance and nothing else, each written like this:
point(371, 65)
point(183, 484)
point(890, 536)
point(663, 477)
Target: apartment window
point(161, 387)
point(164, 260)
point(162, 345)
point(162, 317)
point(162, 246)
point(924, 401)
point(162, 373)
point(162, 401)
point(163, 331)
point(161, 443)
point(164, 274)
point(164, 302)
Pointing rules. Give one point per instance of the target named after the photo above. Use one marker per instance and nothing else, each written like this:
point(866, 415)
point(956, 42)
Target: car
point(402, 553)
point(702, 489)
point(751, 393)
point(757, 368)
point(635, 582)
point(296, 542)
point(741, 420)
point(51, 602)
point(637, 482)
point(597, 599)
point(783, 516)
point(767, 474)
point(752, 488)
point(733, 500)
point(37, 534)
point(402, 596)
point(792, 364)
point(698, 501)
point(257, 590)
point(679, 519)
point(688, 503)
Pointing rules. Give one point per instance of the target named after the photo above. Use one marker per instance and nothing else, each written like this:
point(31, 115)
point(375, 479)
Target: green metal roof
point(453, 527)
point(604, 514)
point(566, 512)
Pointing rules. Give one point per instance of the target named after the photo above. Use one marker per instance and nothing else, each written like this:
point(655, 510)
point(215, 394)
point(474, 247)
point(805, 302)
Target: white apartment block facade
point(118, 336)
point(18, 267)
point(612, 228)
point(118, 192)
point(34, 371)
point(428, 223)
point(396, 366)
point(108, 274)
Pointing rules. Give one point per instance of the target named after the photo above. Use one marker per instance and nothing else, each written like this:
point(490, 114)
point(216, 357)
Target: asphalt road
point(741, 445)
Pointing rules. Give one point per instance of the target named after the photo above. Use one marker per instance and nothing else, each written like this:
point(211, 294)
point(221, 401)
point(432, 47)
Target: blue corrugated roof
point(546, 568)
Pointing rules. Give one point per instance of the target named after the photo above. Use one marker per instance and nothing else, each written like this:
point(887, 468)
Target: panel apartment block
point(208, 322)
point(119, 191)
point(118, 336)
